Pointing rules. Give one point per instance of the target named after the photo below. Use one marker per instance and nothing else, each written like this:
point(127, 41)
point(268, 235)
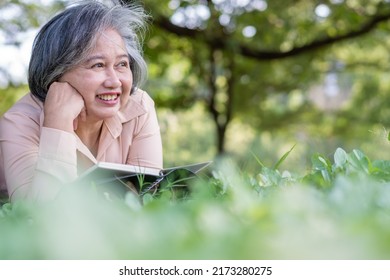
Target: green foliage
point(24, 15)
point(354, 164)
point(187, 136)
point(268, 92)
point(337, 211)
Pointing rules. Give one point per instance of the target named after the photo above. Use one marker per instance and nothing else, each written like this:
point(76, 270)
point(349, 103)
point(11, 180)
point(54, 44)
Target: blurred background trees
point(243, 77)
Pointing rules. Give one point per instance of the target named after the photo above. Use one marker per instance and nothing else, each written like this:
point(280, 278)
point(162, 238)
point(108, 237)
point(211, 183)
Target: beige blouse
point(36, 161)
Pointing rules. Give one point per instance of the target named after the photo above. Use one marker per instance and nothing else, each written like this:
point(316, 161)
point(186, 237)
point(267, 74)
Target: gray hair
point(65, 41)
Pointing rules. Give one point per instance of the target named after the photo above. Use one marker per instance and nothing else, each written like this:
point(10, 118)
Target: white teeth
point(107, 97)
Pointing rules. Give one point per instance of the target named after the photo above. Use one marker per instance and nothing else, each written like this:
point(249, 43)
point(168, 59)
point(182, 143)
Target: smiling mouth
point(108, 97)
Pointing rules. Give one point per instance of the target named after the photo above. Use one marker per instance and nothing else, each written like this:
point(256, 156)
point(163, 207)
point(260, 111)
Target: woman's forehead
point(107, 43)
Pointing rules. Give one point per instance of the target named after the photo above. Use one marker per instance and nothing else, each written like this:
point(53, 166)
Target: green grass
point(339, 209)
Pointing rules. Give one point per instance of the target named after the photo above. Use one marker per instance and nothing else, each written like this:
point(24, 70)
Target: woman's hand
point(63, 107)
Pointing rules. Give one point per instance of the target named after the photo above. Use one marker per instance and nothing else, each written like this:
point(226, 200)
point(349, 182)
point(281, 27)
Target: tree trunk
point(221, 112)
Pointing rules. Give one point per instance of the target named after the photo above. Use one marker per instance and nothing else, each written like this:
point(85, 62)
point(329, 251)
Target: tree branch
point(167, 25)
point(222, 43)
point(364, 29)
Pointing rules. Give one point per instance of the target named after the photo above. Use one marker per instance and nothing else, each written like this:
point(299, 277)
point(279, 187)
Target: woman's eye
point(123, 64)
point(97, 65)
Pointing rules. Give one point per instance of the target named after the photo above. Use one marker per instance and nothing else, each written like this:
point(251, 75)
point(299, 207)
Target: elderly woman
point(84, 104)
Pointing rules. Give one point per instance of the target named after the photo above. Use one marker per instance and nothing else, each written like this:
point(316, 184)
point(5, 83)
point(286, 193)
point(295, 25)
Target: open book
point(120, 178)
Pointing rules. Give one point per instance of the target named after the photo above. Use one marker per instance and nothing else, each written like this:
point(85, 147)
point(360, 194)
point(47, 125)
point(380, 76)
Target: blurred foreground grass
point(340, 209)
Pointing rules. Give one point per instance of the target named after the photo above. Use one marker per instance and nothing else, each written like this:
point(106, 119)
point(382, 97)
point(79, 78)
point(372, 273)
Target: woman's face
point(104, 79)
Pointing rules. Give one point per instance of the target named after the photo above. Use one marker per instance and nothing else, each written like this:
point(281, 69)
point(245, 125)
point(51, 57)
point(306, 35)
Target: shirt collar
point(129, 111)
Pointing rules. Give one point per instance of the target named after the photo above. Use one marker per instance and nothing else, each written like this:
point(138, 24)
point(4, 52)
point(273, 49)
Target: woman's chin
point(103, 114)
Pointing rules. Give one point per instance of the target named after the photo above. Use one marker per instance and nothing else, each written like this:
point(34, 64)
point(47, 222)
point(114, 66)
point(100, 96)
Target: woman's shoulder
point(28, 106)
point(142, 98)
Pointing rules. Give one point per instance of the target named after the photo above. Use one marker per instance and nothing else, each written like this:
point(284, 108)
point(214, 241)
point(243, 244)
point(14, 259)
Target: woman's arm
point(39, 159)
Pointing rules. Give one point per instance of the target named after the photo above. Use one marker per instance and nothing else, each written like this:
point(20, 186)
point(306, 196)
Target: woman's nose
point(112, 79)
